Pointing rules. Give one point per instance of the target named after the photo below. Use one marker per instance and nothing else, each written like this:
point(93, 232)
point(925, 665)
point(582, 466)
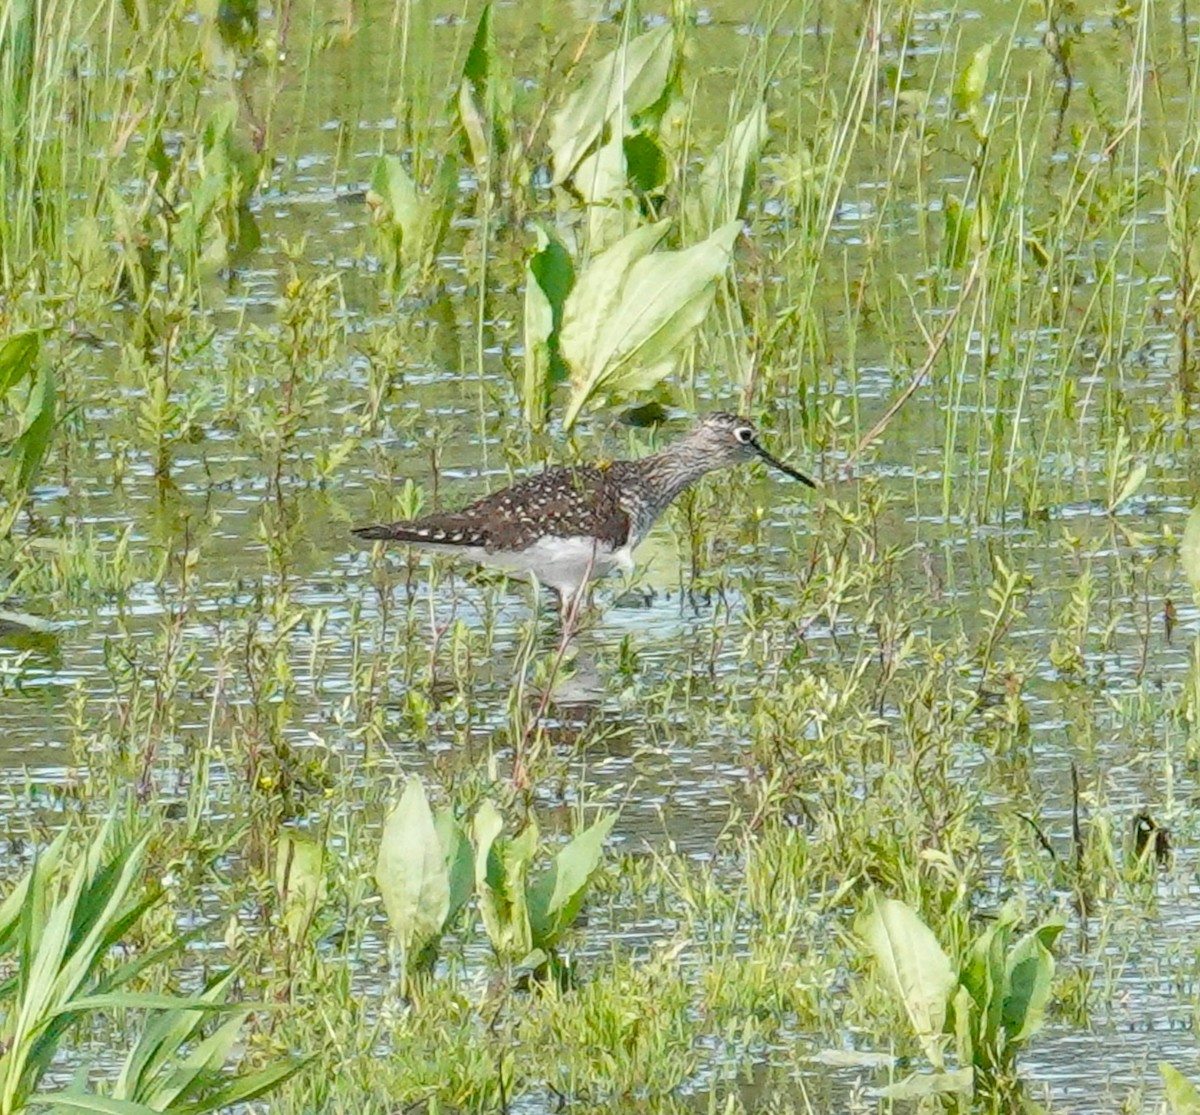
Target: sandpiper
point(568, 526)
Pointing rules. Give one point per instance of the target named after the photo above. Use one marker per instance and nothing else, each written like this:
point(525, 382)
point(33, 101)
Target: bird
point(570, 525)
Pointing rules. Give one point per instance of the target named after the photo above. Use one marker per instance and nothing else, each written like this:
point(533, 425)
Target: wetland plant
point(427, 869)
point(60, 927)
point(988, 1008)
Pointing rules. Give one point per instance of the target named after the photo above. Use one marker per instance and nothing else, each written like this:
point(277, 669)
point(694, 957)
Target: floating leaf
point(300, 882)
point(914, 966)
point(631, 311)
point(628, 81)
point(555, 899)
point(1183, 1097)
point(729, 172)
point(411, 874)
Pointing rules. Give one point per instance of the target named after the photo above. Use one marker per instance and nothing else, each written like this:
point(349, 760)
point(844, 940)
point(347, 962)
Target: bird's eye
point(744, 434)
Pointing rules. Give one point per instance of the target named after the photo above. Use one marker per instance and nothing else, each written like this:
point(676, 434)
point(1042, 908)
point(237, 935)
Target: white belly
point(564, 564)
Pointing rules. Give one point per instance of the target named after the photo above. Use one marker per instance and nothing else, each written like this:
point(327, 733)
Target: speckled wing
point(560, 503)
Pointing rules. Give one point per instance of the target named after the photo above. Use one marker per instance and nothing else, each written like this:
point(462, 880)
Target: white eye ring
point(744, 434)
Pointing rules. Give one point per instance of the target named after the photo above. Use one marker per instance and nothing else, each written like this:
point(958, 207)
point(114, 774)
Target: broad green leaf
point(555, 899)
point(1189, 550)
point(914, 966)
point(18, 356)
point(966, 1016)
point(549, 276)
point(500, 869)
point(484, 94)
point(1029, 972)
point(645, 163)
point(38, 425)
point(631, 312)
point(622, 84)
point(487, 825)
point(393, 199)
point(600, 179)
point(411, 874)
point(299, 882)
point(1183, 1097)
point(456, 853)
point(729, 171)
point(594, 302)
point(972, 81)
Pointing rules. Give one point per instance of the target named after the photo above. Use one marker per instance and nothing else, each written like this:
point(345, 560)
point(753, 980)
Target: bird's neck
point(675, 469)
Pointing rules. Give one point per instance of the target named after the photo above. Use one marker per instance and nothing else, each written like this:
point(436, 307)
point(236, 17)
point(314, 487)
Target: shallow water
point(676, 774)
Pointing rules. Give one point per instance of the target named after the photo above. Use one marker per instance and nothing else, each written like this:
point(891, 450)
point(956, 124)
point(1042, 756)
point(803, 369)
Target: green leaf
point(645, 163)
point(549, 277)
point(600, 180)
point(965, 1016)
point(1028, 975)
point(242, 1089)
point(34, 439)
point(555, 899)
point(393, 199)
point(1189, 550)
point(914, 966)
point(1133, 482)
point(484, 95)
point(18, 357)
point(299, 882)
point(728, 175)
point(96, 1105)
point(411, 874)
point(631, 311)
point(162, 1036)
point(456, 854)
point(622, 84)
point(500, 869)
point(1183, 1098)
point(972, 81)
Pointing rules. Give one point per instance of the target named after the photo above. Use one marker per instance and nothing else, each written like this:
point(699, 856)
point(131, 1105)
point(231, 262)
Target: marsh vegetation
point(882, 797)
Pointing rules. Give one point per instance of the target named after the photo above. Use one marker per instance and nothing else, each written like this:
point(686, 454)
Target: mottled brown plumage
point(569, 525)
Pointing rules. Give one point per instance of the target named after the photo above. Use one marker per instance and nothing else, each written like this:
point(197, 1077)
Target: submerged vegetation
point(876, 801)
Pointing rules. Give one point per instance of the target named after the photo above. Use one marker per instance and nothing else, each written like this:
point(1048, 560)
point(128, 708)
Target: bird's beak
point(774, 463)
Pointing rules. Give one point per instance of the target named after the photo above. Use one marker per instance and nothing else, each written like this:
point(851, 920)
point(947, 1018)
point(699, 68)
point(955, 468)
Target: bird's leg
point(570, 605)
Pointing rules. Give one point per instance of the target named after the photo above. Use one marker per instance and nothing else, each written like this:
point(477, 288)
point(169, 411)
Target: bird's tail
point(380, 533)
point(424, 533)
